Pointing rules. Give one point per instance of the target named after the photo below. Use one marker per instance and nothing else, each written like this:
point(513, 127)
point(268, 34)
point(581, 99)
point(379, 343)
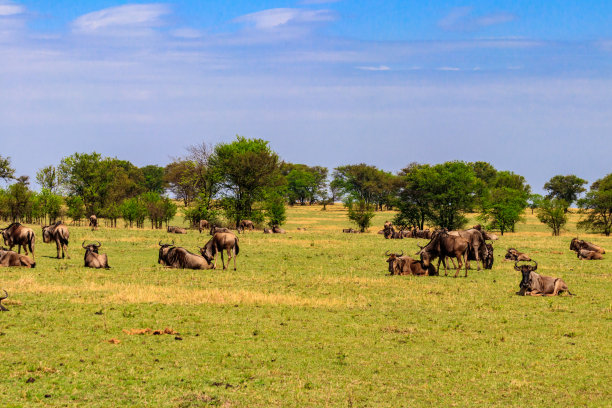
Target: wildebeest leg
point(222, 260)
point(234, 252)
point(57, 245)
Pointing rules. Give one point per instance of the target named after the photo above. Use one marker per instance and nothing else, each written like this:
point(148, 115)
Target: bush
point(361, 213)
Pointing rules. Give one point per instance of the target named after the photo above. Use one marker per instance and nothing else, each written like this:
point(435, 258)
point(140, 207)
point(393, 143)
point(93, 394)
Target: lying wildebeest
point(93, 222)
point(59, 233)
point(178, 257)
point(537, 285)
point(578, 244)
point(2, 308)
point(588, 255)
point(92, 258)
point(12, 258)
point(514, 255)
point(477, 243)
point(218, 243)
point(400, 264)
point(443, 245)
point(17, 234)
point(202, 225)
point(214, 229)
point(246, 225)
point(278, 230)
point(425, 234)
point(267, 230)
point(391, 233)
point(388, 224)
point(350, 231)
point(381, 232)
point(176, 230)
point(301, 229)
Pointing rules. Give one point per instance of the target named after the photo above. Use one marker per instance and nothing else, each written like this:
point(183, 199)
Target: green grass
point(308, 319)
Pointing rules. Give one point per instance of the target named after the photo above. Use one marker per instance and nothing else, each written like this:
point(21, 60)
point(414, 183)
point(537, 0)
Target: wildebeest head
point(525, 270)
point(91, 247)
point(392, 260)
point(48, 231)
point(208, 251)
point(575, 244)
point(163, 251)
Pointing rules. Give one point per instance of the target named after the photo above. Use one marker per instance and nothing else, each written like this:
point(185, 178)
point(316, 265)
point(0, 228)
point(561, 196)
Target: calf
point(514, 255)
point(404, 265)
point(534, 284)
point(588, 255)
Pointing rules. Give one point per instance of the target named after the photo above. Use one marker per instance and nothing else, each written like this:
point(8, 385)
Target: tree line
point(246, 179)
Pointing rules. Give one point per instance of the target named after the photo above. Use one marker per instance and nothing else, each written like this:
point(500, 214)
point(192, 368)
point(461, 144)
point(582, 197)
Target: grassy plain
point(309, 319)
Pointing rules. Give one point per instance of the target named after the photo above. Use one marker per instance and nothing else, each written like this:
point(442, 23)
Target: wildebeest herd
point(470, 245)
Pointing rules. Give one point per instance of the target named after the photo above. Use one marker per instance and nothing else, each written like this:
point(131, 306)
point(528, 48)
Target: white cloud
point(122, 17)
point(273, 18)
point(312, 2)
point(461, 19)
point(187, 33)
point(378, 68)
point(448, 69)
point(9, 8)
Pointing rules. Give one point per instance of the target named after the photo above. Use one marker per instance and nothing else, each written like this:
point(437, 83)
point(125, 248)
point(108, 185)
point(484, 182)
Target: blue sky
point(525, 85)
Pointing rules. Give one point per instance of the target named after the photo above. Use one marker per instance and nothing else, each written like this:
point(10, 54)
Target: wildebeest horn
point(536, 266)
point(99, 244)
point(401, 254)
point(387, 253)
point(83, 245)
point(516, 266)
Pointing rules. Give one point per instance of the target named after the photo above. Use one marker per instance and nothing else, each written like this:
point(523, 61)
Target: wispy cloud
point(462, 19)
point(9, 8)
point(378, 68)
point(279, 17)
point(121, 18)
point(313, 2)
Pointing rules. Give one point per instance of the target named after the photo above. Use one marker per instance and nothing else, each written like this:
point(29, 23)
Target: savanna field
point(310, 319)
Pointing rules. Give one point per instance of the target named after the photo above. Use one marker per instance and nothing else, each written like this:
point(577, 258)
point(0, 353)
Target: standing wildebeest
point(578, 244)
point(588, 255)
point(215, 229)
point(202, 225)
point(246, 225)
point(488, 236)
point(400, 264)
point(177, 257)
point(92, 258)
point(12, 258)
point(93, 222)
point(59, 233)
point(477, 243)
point(17, 234)
point(514, 255)
point(176, 230)
point(221, 241)
point(443, 245)
point(537, 285)
point(2, 308)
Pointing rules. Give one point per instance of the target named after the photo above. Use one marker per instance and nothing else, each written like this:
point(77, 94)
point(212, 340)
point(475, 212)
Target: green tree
point(20, 200)
point(534, 201)
point(50, 205)
point(502, 208)
point(275, 210)
point(357, 181)
point(248, 170)
point(552, 212)
point(47, 177)
point(597, 207)
point(153, 179)
point(360, 212)
point(566, 188)
point(414, 198)
point(76, 208)
point(179, 177)
point(6, 171)
point(133, 210)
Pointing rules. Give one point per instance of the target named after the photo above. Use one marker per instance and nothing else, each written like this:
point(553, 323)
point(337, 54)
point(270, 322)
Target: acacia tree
point(597, 207)
point(6, 171)
point(552, 212)
point(502, 208)
point(48, 178)
point(247, 169)
point(566, 188)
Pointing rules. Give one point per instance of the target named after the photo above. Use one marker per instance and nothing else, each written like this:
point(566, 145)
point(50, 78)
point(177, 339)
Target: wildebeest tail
point(33, 265)
point(236, 248)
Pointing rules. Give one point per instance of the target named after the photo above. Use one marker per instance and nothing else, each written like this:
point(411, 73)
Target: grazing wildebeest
point(2, 308)
point(93, 222)
point(12, 258)
point(176, 230)
point(215, 229)
point(477, 243)
point(246, 225)
point(17, 234)
point(400, 264)
point(218, 243)
point(443, 245)
point(578, 244)
point(267, 231)
point(278, 230)
point(178, 257)
point(92, 258)
point(514, 255)
point(202, 225)
point(537, 285)
point(588, 255)
point(59, 233)
point(350, 231)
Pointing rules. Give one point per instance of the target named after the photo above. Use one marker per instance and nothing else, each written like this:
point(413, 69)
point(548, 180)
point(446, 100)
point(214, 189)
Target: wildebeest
point(278, 230)
point(588, 255)
point(478, 248)
point(92, 258)
point(214, 229)
point(218, 243)
point(17, 234)
point(381, 232)
point(93, 222)
point(537, 285)
point(246, 225)
point(443, 245)
point(578, 244)
point(391, 233)
point(178, 257)
point(12, 258)
point(176, 230)
point(425, 234)
point(488, 236)
point(350, 231)
point(59, 233)
point(2, 308)
point(400, 264)
point(202, 225)
point(267, 231)
point(514, 255)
